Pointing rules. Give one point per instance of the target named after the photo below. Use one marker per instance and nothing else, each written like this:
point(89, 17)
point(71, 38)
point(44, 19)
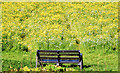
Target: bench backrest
point(58, 56)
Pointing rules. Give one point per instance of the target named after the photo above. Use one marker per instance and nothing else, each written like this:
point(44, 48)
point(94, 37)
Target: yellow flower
point(26, 68)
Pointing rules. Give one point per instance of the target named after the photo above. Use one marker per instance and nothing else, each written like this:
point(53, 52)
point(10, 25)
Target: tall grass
point(40, 25)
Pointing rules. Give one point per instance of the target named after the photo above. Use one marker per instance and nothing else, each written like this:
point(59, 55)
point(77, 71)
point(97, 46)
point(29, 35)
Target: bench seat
point(60, 60)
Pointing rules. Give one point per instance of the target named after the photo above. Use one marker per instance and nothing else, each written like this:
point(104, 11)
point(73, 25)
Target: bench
point(59, 57)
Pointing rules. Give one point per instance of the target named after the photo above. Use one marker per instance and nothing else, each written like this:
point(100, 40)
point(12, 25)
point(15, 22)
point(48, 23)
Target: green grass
point(15, 59)
point(93, 60)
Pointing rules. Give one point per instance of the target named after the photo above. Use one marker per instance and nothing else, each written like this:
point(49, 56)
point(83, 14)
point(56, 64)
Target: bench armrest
point(80, 54)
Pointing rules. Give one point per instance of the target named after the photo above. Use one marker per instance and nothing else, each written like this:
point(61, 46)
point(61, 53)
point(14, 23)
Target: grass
point(15, 59)
point(93, 60)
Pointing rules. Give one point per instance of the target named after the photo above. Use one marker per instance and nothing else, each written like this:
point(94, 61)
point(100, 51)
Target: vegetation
point(93, 60)
point(89, 27)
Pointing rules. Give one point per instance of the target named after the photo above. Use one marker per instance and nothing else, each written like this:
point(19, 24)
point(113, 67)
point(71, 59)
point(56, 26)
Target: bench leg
point(81, 62)
point(36, 61)
point(57, 64)
point(40, 63)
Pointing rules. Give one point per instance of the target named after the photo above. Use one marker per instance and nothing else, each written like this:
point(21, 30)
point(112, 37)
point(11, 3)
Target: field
point(89, 27)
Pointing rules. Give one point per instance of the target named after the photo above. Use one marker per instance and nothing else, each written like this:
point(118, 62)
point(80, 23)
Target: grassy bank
point(94, 60)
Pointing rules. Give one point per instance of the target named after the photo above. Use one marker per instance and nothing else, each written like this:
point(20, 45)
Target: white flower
point(70, 44)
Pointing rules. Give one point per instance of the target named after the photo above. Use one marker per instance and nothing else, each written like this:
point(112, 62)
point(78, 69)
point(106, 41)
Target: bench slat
point(58, 50)
point(62, 58)
point(62, 61)
point(60, 54)
point(56, 62)
point(69, 62)
point(48, 54)
point(48, 58)
point(69, 54)
point(49, 61)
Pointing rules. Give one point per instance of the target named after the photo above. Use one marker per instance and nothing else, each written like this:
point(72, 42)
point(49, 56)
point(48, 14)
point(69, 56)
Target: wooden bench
point(59, 57)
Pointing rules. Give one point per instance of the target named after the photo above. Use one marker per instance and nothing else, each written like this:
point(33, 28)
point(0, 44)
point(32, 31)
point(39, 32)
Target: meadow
point(91, 27)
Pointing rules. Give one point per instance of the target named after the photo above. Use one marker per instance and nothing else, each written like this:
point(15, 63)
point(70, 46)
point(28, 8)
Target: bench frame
point(38, 58)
